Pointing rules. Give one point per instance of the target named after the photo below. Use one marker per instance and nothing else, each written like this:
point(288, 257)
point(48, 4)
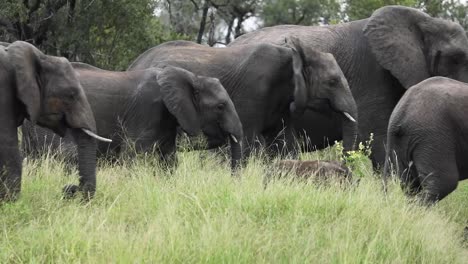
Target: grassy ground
point(200, 213)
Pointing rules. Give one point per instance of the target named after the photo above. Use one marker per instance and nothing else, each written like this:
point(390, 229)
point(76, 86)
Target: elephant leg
point(410, 182)
point(10, 173)
point(252, 143)
point(437, 172)
point(378, 151)
point(168, 155)
point(10, 157)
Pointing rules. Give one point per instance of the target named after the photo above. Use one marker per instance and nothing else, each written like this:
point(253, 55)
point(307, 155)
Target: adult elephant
point(45, 90)
point(145, 107)
point(269, 84)
point(427, 143)
point(381, 57)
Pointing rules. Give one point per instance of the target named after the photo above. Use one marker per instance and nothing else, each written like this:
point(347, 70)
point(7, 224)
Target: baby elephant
point(427, 141)
point(316, 171)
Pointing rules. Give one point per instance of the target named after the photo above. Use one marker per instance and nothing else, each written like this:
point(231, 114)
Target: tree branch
point(195, 5)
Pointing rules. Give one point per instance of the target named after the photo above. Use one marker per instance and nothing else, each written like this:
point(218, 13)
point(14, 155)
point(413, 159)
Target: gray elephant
point(145, 107)
point(45, 90)
point(315, 171)
point(269, 85)
point(427, 138)
point(381, 57)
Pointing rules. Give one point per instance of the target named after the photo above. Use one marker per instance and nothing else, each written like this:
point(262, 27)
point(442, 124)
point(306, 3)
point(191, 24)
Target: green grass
point(199, 213)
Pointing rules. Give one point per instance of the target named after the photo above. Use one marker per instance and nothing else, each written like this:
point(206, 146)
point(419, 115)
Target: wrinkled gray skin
point(146, 106)
point(269, 84)
point(381, 57)
point(427, 143)
point(45, 90)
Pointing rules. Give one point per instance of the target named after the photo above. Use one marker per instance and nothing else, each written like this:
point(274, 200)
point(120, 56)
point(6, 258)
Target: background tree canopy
point(112, 33)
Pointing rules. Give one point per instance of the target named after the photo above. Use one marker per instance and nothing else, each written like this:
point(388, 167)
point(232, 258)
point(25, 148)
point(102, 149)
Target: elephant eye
point(221, 106)
point(196, 94)
point(71, 95)
point(332, 82)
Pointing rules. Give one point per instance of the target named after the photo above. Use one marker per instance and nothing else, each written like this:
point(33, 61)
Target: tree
point(449, 9)
point(360, 9)
point(195, 16)
point(105, 33)
point(300, 12)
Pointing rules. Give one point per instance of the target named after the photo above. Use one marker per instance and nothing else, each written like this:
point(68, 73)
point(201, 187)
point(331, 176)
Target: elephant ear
point(397, 41)
point(25, 59)
point(179, 90)
point(298, 62)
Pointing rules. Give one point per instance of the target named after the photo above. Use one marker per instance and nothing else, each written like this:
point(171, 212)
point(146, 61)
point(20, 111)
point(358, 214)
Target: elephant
point(269, 85)
point(381, 57)
point(426, 141)
point(146, 106)
point(45, 90)
point(317, 171)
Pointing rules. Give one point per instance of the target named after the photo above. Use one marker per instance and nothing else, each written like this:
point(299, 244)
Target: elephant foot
point(70, 191)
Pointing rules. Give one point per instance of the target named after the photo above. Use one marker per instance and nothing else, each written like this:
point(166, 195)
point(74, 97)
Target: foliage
point(300, 12)
point(200, 214)
point(105, 33)
point(454, 10)
point(448, 9)
point(360, 9)
point(111, 33)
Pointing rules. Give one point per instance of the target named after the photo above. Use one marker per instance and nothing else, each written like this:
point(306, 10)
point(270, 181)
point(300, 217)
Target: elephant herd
point(265, 89)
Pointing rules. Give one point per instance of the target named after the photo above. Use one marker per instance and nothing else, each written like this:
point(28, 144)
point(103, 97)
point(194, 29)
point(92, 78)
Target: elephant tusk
point(349, 117)
point(91, 134)
point(234, 138)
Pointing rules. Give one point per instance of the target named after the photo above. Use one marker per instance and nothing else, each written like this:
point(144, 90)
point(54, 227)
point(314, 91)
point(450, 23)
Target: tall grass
point(199, 213)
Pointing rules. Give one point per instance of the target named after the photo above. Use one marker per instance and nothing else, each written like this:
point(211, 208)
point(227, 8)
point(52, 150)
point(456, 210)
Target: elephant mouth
point(216, 136)
point(215, 139)
point(320, 105)
point(55, 121)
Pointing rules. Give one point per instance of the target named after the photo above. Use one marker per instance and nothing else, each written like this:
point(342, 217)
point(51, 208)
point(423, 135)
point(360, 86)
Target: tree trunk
point(201, 31)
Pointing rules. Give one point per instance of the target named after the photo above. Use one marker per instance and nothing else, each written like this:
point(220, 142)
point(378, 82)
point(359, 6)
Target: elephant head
point(52, 97)
point(318, 78)
point(414, 46)
point(201, 104)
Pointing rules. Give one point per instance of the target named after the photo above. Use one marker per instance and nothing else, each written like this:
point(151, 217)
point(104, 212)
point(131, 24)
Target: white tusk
point(91, 134)
point(233, 138)
point(349, 117)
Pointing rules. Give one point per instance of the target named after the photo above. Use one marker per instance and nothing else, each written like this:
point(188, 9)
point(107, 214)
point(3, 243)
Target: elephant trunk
point(350, 134)
point(236, 154)
point(348, 109)
point(87, 162)
point(232, 126)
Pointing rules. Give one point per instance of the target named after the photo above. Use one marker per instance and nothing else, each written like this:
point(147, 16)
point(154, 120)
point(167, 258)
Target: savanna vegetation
point(199, 213)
